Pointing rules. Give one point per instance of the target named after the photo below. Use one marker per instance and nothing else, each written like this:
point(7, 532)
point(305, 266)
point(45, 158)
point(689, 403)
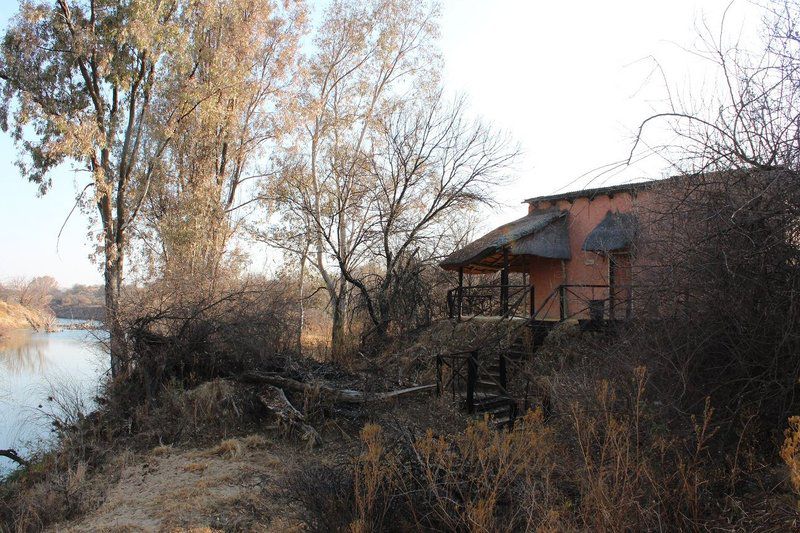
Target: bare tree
point(429, 165)
point(367, 56)
point(722, 241)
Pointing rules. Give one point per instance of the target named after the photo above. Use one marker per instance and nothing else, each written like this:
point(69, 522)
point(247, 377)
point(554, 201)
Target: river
point(37, 372)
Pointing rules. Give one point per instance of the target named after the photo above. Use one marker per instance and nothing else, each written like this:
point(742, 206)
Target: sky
point(569, 81)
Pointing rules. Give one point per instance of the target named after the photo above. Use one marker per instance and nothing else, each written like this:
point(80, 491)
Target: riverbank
point(15, 316)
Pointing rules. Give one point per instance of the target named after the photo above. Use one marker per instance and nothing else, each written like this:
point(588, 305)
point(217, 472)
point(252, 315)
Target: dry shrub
point(255, 441)
point(609, 463)
point(31, 500)
point(323, 496)
point(486, 480)
point(212, 410)
point(718, 282)
point(56, 484)
point(478, 480)
point(790, 452)
point(632, 472)
point(161, 450)
point(375, 474)
point(197, 467)
point(197, 337)
point(230, 448)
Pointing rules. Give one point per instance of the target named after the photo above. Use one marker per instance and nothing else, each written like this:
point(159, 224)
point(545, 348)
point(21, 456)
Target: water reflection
point(21, 352)
point(34, 365)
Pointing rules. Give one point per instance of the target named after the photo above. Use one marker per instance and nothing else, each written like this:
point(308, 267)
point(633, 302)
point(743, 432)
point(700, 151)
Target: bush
point(609, 462)
point(324, 495)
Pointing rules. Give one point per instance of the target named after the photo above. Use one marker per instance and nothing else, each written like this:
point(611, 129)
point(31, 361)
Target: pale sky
point(570, 81)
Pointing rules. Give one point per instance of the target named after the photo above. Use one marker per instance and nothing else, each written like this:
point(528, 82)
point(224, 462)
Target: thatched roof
point(542, 234)
point(615, 232)
point(552, 241)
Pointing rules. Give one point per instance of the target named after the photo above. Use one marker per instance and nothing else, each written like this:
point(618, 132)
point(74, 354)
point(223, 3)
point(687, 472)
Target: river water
point(39, 372)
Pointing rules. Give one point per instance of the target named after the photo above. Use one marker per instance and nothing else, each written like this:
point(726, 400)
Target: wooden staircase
point(486, 378)
point(499, 401)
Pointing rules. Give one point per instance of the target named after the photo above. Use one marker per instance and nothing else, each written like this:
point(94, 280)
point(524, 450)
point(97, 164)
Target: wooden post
point(612, 285)
point(533, 301)
point(504, 284)
point(562, 297)
point(460, 299)
point(472, 378)
point(525, 284)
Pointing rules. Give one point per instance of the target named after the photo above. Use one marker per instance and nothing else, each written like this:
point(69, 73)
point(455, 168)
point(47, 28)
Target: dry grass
point(162, 449)
point(790, 452)
point(255, 441)
point(197, 467)
point(606, 463)
point(230, 449)
point(194, 490)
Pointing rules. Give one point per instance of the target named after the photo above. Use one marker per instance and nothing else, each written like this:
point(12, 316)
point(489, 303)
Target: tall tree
point(108, 86)
point(367, 56)
point(239, 63)
point(429, 164)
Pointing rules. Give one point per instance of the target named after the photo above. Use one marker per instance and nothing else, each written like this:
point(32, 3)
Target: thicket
point(185, 351)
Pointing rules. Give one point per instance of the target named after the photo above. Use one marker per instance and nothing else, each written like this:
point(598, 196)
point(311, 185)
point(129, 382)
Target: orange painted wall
point(584, 268)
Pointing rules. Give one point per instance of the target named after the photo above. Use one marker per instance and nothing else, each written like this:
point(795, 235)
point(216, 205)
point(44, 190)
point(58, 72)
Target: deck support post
point(460, 298)
point(504, 284)
point(503, 373)
point(472, 378)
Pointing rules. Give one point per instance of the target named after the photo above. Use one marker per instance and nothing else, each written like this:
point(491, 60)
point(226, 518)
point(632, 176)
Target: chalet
point(574, 252)
point(574, 257)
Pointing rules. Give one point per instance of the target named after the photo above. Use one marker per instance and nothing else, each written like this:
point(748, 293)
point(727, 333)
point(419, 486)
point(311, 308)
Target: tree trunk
point(113, 276)
point(382, 327)
point(302, 320)
point(338, 334)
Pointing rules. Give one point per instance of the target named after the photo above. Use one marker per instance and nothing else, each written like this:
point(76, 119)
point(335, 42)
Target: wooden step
point(481, 396)
point(497, 400)
point(487, 386)
point(499, 409)
point(502, 422)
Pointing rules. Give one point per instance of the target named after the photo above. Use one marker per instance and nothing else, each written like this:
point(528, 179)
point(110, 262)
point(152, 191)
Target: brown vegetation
point(676, 420)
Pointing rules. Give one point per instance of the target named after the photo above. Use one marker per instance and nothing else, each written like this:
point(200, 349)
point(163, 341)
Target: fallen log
point(14, 456)
point(276, 402)
point(329, 393)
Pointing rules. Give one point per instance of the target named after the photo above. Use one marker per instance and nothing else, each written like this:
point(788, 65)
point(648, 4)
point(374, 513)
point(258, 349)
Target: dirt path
point(232, 486)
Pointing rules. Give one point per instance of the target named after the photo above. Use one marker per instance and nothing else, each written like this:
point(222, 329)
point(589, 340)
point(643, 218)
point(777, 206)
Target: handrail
point(477, 298)
point(473, 361)
point(475, 364)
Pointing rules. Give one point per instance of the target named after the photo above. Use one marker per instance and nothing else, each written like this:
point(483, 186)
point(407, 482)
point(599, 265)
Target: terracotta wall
point(584, 268)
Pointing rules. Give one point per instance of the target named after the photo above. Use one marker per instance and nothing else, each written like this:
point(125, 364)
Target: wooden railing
point(463, 368)
point(485, 300)
point(592, 301)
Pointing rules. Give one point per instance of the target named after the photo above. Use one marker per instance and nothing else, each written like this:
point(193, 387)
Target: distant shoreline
point(88, 325)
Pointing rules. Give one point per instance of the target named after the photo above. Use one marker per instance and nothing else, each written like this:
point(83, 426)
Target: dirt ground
point(234, 486)
point(237, 484)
